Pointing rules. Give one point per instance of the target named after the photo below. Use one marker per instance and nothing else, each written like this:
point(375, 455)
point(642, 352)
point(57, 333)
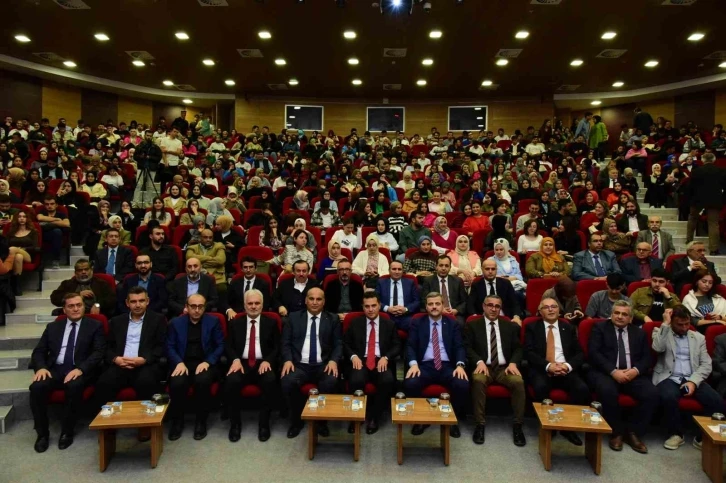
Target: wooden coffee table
point(572, 421)
point(423, 414)
point(131, 416)
point(712, 448)
point(333, 411)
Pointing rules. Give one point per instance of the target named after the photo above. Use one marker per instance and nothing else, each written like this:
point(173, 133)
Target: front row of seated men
point(71, 354)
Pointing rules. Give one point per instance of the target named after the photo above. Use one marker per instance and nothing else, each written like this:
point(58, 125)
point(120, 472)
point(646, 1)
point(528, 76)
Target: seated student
point(175, 201)
point(347, 237)
point(54, 224)
point(370, 263)
point(601, 302)
point(298, 251)
point(649, 303)
point(422, 262)
point(144, 277)
point(193, 283)
point(157, 212)
point(703, 302)
point(22, 238)
point(163, 257)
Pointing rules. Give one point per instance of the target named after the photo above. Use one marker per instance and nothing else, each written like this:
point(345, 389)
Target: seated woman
point(438, 205)
point(477, 221)
point(300, 201)
point(271, 236)
point(397, 221)
point(328, 264)
point(547, 262)
point(567, 240)
point(614, 241)
point(595, 220)
point(588, 204)
point(114, 180)
point(300, 224)
point(175, 201)
point(98, 222)
point(618, 208)
point(327, 196)
point(411, 203)
point(36, 193)
point(234, 201)
point(442, 236)
point(501, 207)
point(465, 263)
point(22, 238)
point(157, 213)
point(115, 222)
point(365, 215)
point(370, 263)
point(508, 268)
point(209, 178)
point(232, 240)
point(196, 194)
point(429, 218)
point(384, 236)
point(565, 294)
point(292, 253)
point(94, 188)
point(422, 262)
point(193, 236)
point(192, 210)
point(530, 240)
point(129, 221)
point(217, 208)
point(704, 303)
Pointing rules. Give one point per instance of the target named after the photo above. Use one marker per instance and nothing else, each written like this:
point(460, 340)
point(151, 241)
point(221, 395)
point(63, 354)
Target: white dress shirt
point(500, 354)
point(258, 349)
point(252, 283)
point(305, 353)
point(559, 353)
point(377, 325)
point(633, 224)
point(399, 301)
point(66, 336)
point(300, 287)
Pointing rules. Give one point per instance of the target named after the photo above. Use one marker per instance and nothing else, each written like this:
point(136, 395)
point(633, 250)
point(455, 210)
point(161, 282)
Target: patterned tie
point(656, 246)
point(111, 264)
point(598, 266)
point(395, 293)
point(437, 349)
point(550, 356)
point(252, 356)
point(445, 294)
point(622, 361)
point(313, 359)
point(371, 353)
point(70, 349)
point(493, 347)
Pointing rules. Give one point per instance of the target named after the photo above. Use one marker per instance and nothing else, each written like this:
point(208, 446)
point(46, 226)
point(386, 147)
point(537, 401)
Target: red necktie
point(656, 246)
point(371, 356)
point(437, 349)
point(252, 357)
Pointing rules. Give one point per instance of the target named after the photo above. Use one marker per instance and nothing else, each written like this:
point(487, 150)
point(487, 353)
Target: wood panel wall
point(720, 107)
point(97, 107)
point(665, 107)
point(61, 101)
point(20, 96)
point(138, 110)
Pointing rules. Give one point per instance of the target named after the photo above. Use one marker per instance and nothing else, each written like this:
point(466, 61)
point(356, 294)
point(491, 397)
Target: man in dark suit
point(660, 241)
point(683, 268)
point(555, 359)
point(238, 288)
point(114, 259)
point(135, 344)
point(344, 295)
point(289, 296)
point(641, 265)
point(164, 257)
point(615, 370)
point(312, 347)
point(194, 344)
point(632, 221)
point(98, 296)
point(706, 192)
point(436, 355)
point(155, 287)
point(253, 346)
point(194, 282)
point(67, 357)
point(494, 352)
point(371, 345)
point(594, 263)
point(490, 284)
point(451, 289)
point(399, 296)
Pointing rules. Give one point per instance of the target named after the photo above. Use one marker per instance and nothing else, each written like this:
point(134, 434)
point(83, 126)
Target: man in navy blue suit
point(399, 296)
point(436, 355)
point(641, 265)
point(155, 286)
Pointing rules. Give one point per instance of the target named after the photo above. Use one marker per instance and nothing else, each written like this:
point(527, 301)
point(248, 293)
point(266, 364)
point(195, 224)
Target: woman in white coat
point(370, 263)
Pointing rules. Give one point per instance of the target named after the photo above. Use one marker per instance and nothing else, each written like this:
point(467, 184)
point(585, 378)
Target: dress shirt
point(682, 365)
point(644, 267)
point(133, 336)
point(64, 344)
point(500, 354)
point(144, 283)
point(559, 353)
point(305, 352)
point(258, 348)
point(444, 282)
point(251, 281)
point(633, 224)
point(598, 255)
point(429, 354)
point(344, 307)
point(377, 325)
point(626, 341)
point(691, 261)
point(192, 286)
point(400, 300)
point(658, 254)
point(300, 287)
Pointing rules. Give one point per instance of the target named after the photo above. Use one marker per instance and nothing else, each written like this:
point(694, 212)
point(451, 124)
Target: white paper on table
point(715, 429)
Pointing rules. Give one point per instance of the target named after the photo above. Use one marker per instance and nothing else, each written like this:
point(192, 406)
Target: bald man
point(490, 284)
point(192, 283)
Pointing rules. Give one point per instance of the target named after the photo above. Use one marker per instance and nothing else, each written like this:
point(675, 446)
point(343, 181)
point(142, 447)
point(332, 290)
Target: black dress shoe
point(572, 437)
point(479, 434)
point(200, 429)
point(235, 432)
point(65, 440)
point(351, 428)
point(41, 444)
point(177, 428)
point(454, 431)
point(323, 429)
point(518, 435)
point(263, 433)
point(294, 430)
point(372, 427)
point(418, 429)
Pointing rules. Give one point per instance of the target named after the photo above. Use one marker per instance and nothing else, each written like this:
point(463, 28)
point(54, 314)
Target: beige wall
point(720, 111)
point(665, 107)
point(61, 101)
point(138, 110)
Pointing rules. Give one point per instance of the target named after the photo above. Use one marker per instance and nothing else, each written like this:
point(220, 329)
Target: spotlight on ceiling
point(394, 6)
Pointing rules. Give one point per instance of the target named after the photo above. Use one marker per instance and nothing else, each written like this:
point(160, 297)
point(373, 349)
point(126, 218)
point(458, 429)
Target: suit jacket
point(681, 275)
point(477, 342)
point(419, 335)
point(664, 343)
point(719, 360)
point(212, 339)
point(411, 298)
point(269, 335)
point(355, 341)
point(504, 289)
point(706, 187)
point(236, 294)
point(624, 225)
point(630, 268)
point(584, 269)
point(457, 293)
point(332, 296)
point(105, 295)
point(89, 348)
point(124, 262)
point(158, 297)
point(178, 294)
point(286, 296)
point(535, 346)
point(329, 332)
point(603, 348)
point(153, 337)
point(665, 240)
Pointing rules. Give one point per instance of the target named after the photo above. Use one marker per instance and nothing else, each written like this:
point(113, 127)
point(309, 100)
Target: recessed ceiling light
point(297, 108)
point(353, 61)
point(168, 83)
point(102, 37)
point(229, 82)
point(264, 34)
point(356, 82)
point(502, 62)
point(208, 62)
point(522, 34)
point(280, 61)
point(618, 84)
point(22, 38)
point(651, 63)
point(435, 34)
point(69, 63)
point(576, 63)
point(293, 82)
point(349, 34)
point(182, 36)
point(479, 118)
point(428, 62)
point(608, 35)
point(596, 103)
point(696, 36)
point(421, 82)
point(477, 108)
point(291, 117)
point(187, 101)
point(138, 63)
point(487, 83)
point(722, 65)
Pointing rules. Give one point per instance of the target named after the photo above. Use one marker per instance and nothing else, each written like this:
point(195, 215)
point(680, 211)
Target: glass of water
point(409, 408)
point(434, 403)
point(347, 403)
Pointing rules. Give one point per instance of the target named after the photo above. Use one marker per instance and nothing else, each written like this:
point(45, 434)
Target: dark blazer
point(236, 294)
point(665, 240)
point(457, 292)
point(178, 294)
point(332, 296)
point(630, 267)
point(329, 333)
point(124, 262)
point(356, 343)
point(583, 267)
point(504, 290)
point(477, 342)
point(603, 348)
point(706, 187)
point(681, 275)
point(419, 335)
point(153, 337)
point(269, 334)
point(285, 295)
point(408, 291)
point(212, 339)
point(105, 295)
point(89, 348)
point(158, 298)
point(535, 346)
point(624, 227)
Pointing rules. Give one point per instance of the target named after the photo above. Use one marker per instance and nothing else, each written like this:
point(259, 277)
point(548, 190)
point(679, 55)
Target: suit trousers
point(670, 394)
point(542, 384)
point(641, 389)
point(305, 373)
point(237, 380)
point(711, 220)
point(480, 382)
point(144, 380)
point(40, 392)
point(202, 384)
point(385, 383)
point(459, 388)
point(403, 322)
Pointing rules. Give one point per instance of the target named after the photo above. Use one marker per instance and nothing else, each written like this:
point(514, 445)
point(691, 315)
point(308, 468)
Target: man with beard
point(98, 296)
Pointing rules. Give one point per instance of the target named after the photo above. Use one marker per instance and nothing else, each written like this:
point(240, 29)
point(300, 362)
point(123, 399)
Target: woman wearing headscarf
point(331, 261)
point(216, 209)
point(370, 263)
point(500, 229)
point(508, 267)
point(547, 262)
point(407, 183)
point(5, 190)
point(617, 242)
point(234, 201)
point(442, 236)
point(300, 200)
point(175, 200)
point(465, 263)
point(232, 241)
point(94, 189)
point(114, 221)
point(384, 236)
point(194, 235)
point(422, 262)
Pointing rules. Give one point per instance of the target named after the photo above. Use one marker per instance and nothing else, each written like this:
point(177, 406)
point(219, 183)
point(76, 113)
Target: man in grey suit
point(451, 289)
point(660, 241)
point(594, 263)
point(681, 370)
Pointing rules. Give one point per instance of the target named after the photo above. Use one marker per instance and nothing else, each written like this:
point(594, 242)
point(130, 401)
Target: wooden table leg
point(312, 438)
point(445, 442)
point(712, 459)
point(144, 434)
point(157, 444)
point(399, 439)
point(593, 450)
point(106, 447)
point(356, 442)
point(545, 447)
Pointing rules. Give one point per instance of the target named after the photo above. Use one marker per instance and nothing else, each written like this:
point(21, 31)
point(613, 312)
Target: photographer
point(148, 154)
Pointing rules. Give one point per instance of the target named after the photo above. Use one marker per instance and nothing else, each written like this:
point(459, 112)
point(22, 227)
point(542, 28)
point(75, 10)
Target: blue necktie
point(70, 349)
point(111, 265)
point(313, 342)
point(598, 266)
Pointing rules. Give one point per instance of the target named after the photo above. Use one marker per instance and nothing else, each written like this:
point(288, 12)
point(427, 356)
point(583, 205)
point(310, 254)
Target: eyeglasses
point(196, 307)
point(493, 306)
point(644, 249)
point(549, 307)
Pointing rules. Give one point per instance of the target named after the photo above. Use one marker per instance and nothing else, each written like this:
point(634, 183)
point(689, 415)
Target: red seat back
point(536, 287)
point(586, 288)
